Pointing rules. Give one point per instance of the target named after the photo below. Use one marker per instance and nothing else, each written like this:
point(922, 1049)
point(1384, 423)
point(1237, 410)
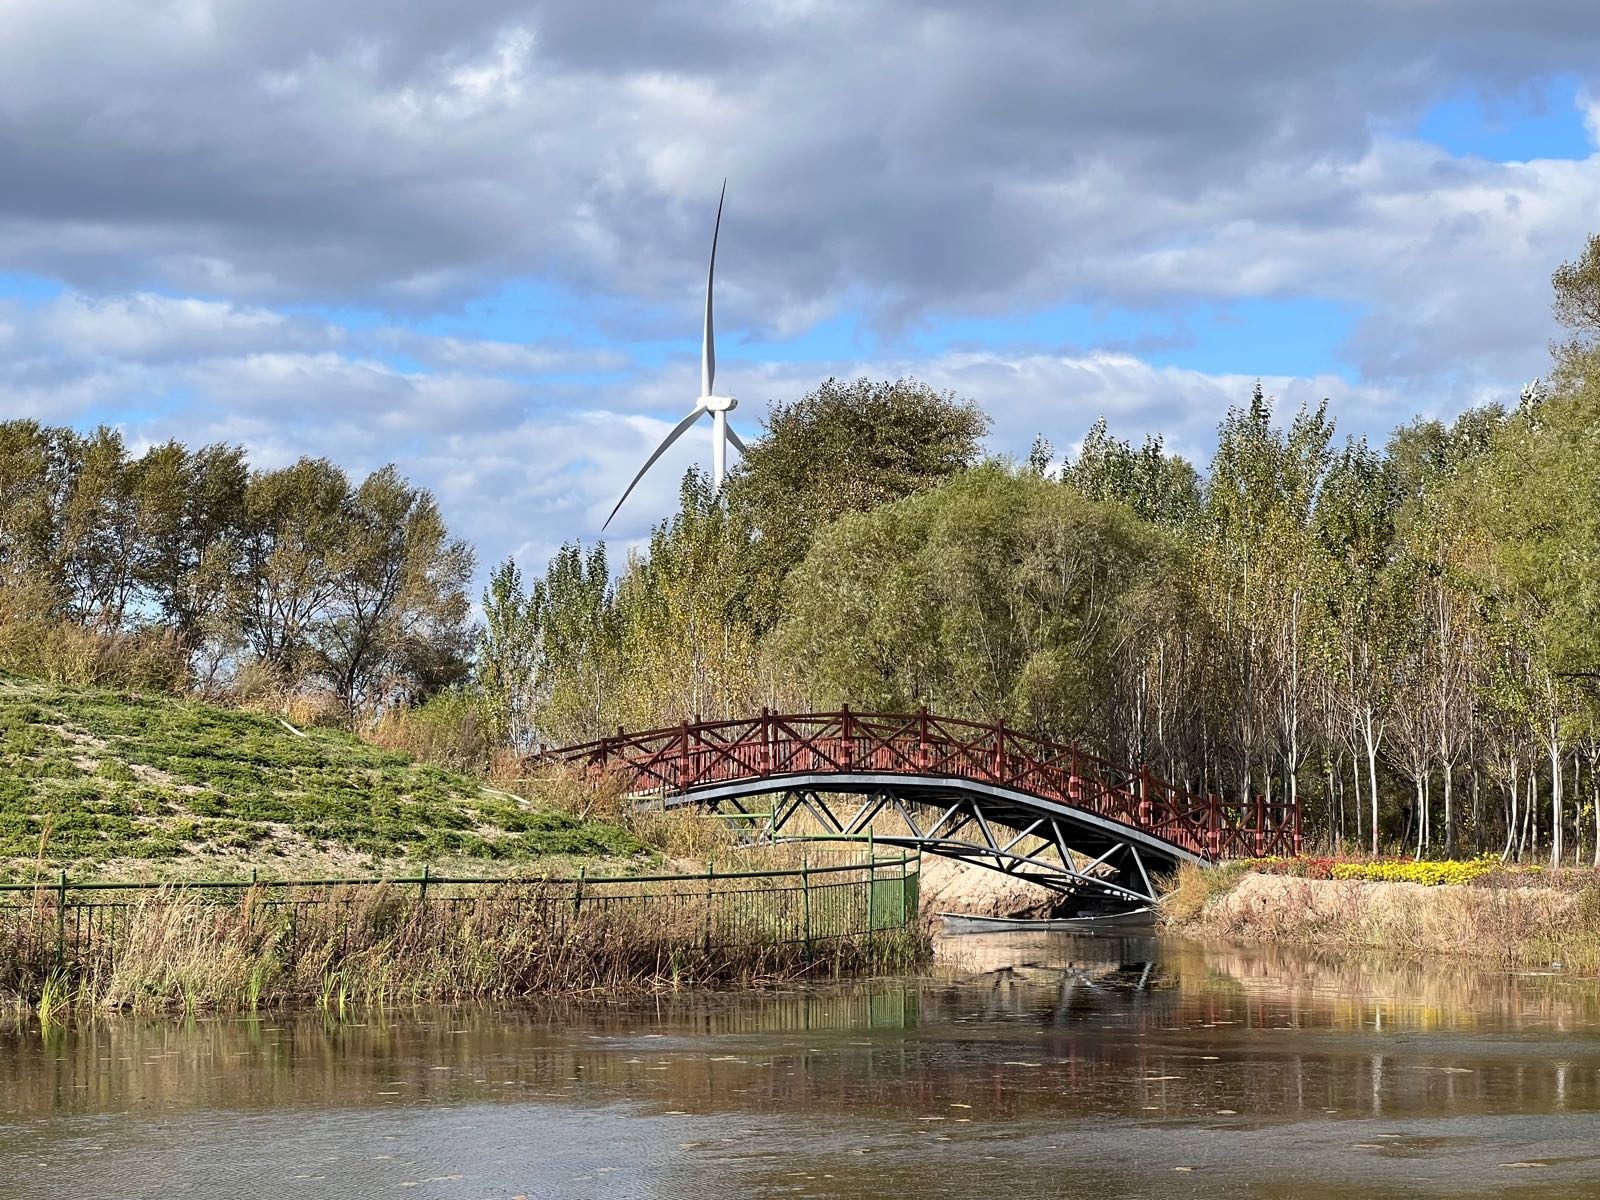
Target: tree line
point(1402, 637)
point(188, 568)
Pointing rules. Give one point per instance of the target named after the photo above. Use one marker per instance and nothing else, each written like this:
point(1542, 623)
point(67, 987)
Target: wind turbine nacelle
point(718, 404)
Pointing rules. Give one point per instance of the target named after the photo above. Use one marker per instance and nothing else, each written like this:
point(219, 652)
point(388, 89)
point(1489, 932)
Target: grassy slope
point(151, 785)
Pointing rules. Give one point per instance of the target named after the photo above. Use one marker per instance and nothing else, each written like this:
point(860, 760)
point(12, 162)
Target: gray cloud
point(929, 159)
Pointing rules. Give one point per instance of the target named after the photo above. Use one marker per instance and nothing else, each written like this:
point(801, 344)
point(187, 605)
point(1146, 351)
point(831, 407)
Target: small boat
point(970, 923)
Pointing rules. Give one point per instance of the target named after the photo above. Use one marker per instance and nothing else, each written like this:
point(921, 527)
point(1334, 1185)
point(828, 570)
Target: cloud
point(145, 327)
point(199, 176)
point(930, 158)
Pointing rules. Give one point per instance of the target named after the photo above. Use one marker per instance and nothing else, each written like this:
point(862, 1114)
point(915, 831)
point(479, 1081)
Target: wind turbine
point(718, 406)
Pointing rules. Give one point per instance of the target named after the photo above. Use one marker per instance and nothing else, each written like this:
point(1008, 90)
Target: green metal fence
point(77, 925)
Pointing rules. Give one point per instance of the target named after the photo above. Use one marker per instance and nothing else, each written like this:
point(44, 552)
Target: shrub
point(1429, 874)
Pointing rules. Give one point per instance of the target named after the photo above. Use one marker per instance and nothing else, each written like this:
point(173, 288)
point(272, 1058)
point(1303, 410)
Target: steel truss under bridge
point(1047, 849)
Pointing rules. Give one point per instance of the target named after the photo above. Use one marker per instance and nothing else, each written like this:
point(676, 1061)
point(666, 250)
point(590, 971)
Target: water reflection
point(1134, 1066)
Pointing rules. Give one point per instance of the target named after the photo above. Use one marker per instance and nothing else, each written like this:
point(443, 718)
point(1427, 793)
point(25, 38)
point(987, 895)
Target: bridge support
point(1042, 848)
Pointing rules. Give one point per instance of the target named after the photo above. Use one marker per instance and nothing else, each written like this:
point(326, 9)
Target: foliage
point(847, 447)
point(345, 946)
point(358, 589)
point(1429, 874)
point(1000, 594)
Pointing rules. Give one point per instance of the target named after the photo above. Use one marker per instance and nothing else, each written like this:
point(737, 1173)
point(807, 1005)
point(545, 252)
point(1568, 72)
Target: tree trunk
point(1449, 815)
point(1556, 821)
point(1355, 795)
point(1372, 773)
point(1511, 813)
point(1594, 794)
point(1530, 813)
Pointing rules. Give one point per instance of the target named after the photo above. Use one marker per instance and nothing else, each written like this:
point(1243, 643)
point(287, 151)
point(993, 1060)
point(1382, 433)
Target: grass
point(144, 785)
point(1516, 920)
point(340, 948)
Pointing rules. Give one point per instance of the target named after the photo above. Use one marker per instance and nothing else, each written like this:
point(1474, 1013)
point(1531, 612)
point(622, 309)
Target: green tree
point(1160, 487)
point(581, 684)
point(35, 478)
point(507, 664)
point(191, 507)
point(847, 447)
point(290, 550)
point(999, 594)
point(396, 618)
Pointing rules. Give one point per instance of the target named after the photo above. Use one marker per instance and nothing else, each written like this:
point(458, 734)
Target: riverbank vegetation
point(1518, 919)
point(173, 949)
point(1401, 636)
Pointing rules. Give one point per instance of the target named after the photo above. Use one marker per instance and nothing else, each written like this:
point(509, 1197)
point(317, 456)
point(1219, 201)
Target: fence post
point(805, 897)
point(903, 863)
point(61, 920)
point(422, 889)
point(711, 899)
point(577, 894)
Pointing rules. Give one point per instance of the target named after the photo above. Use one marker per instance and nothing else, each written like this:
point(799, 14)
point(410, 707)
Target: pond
point(1021, 1065)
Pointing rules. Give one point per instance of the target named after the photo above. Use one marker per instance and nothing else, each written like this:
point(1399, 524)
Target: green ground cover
point(97, 779)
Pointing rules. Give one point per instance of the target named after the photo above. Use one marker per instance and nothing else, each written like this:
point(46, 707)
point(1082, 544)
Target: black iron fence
point(81, 926)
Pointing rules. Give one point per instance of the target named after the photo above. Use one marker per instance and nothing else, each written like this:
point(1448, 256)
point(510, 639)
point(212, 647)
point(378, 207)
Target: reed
point(54, 1000)
point(345, 947)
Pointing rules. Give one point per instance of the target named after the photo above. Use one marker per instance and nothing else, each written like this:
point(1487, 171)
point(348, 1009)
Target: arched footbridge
point(1043, 811)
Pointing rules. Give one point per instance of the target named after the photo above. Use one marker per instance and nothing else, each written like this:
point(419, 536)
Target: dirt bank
point(950, 886)
point(1513, 926)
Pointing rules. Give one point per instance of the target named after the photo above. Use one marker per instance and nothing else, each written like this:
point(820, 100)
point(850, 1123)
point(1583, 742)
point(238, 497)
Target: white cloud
point(196, 173)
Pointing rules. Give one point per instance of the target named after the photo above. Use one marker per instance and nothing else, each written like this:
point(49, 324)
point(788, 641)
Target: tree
point(34, 481)
point(690, 613)
point(289, 551)
point(999, 594)
point(847, 447)
point(507, 664)
point(397, 607)
point(192, 515)
point(585, 684)
point(1577, 298)
point(1159, 487)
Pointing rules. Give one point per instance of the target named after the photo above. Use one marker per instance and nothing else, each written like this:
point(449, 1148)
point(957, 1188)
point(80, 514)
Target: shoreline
point(1512, 924)
point(334, 945)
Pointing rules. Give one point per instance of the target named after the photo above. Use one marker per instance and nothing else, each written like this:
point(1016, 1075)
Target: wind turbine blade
point(708, 347)
point(678, 431)
point(738, 442)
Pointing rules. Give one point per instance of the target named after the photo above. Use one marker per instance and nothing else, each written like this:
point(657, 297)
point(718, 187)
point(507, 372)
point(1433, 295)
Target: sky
point(470, 239)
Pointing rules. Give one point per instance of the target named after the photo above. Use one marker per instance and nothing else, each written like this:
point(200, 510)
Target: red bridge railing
point(680, 758)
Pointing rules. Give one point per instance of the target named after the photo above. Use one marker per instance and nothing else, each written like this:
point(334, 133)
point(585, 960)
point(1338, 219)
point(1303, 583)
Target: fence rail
point(81, 926)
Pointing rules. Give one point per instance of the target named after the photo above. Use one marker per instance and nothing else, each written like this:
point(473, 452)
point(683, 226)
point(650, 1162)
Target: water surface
point(1026, 1065)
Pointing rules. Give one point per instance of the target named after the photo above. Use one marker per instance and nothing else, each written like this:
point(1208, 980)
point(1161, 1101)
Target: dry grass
point(1185, 895)
point(683, 832)
point(1514, 925)
point(172, 950)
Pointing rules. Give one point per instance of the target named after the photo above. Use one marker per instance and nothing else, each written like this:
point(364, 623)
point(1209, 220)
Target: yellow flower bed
point(1430, 874)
